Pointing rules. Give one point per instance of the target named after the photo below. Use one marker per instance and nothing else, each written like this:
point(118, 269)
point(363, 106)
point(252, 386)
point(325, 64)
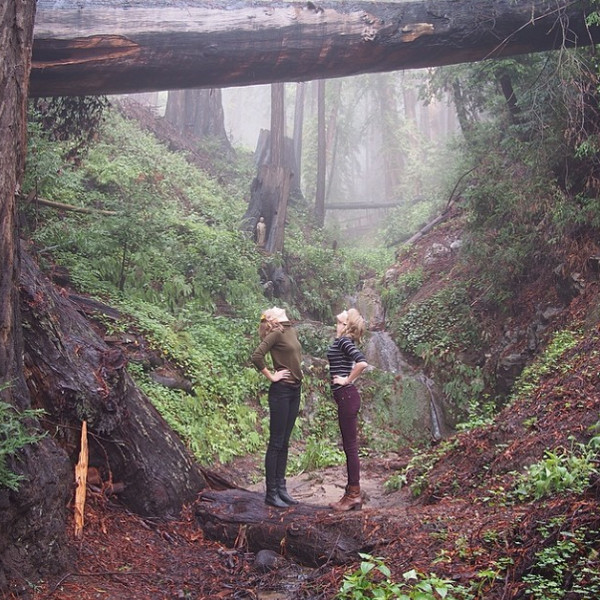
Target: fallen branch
point(70, 207)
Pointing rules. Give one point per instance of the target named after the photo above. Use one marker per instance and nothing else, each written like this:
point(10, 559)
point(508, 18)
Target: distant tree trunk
point(277, 124)
point(462, 113)
point(391, 153)
point(270, 191)
point(297, 135)
point(321, 155)
point(198, 113)
point(32, 519)
point(332, 135)
point(506, 86)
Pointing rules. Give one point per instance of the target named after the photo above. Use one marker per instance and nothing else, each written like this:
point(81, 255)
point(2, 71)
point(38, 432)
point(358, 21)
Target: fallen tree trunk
point(89, 47)
point(75, 376)
point(306, 534)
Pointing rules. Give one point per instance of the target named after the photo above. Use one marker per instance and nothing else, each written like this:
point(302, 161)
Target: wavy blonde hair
point(269, 322)
point(355, 325)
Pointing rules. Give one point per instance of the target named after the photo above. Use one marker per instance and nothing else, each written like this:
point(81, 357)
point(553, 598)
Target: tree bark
point(198, 113)
point(271, 181)
point(74, 376)
point(32, 519)
point(88, 47)
point(277, 125)
point(298, 133)
point(309, 535)
point(321, 155)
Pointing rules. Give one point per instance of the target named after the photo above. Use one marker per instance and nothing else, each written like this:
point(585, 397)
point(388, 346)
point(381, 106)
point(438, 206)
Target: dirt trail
point(327, 485)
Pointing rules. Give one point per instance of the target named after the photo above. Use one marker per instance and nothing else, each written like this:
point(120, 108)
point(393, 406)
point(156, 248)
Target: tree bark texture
point(298, 131)
point(198, 113)
point(307, 534)
point(321, 155)
point(32, 519)
point(277, 125)
point(271, 190)
point(88, 47)
point(75, 376)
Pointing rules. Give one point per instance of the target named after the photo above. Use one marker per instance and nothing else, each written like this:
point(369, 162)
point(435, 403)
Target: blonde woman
point(279, 339)
point(346, 363)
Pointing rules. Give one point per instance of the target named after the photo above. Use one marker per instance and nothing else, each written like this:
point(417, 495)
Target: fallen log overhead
point(95, 47)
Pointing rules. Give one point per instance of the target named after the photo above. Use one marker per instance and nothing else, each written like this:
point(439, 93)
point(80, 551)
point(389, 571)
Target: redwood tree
point(32, 531)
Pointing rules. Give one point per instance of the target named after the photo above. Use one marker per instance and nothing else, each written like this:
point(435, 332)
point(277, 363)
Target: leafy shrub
point(14, 435)
point(438, 324)
point(548, 362)
point(566, 568)
point(373, 580)
point(559, 471)
point(395, 295)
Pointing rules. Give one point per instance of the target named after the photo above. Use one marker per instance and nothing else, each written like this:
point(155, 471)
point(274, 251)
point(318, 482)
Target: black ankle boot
point(283, 493)
point(272, 498)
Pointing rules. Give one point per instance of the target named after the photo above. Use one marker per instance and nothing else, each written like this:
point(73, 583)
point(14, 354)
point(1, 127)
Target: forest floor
point(124, 556)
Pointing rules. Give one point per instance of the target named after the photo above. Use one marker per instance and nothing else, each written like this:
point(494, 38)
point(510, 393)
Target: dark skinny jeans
point(284, 403)
point(347, 399)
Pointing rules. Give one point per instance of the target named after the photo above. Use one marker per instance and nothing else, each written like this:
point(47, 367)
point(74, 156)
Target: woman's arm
point(274, 376)
point(357, 369)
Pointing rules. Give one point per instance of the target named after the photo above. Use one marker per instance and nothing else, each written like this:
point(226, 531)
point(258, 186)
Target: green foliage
point(416, 472)
point(438, 324)
point(373, 580)
point(73, 119)
point(397, 293)
point(567, 568)
point(551, 360)
point(533, 168)
point(322, 276)
point(317, 453)
point(15, 433)
point(559, 471)
point(438, 330)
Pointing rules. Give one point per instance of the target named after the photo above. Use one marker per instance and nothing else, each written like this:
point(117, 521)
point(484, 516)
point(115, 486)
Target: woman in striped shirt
point(346, 363)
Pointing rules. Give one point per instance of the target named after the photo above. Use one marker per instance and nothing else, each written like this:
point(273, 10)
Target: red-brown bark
point(92, 47)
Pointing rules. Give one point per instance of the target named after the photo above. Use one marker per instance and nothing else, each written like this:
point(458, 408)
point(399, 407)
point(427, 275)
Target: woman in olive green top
point(279, 339)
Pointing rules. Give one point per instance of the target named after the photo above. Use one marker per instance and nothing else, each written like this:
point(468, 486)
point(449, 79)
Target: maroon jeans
point(347, 399)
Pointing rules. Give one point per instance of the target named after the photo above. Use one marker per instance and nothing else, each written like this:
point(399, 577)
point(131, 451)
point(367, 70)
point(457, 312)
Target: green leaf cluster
point(566, 568)
point(373, 580)
point(560, 471)
point(15, 434)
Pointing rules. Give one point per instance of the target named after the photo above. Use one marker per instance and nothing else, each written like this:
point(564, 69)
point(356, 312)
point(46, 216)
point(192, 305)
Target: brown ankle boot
point(351, 500)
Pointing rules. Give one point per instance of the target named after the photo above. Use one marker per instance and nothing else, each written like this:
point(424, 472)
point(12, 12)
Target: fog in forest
point(387, 148)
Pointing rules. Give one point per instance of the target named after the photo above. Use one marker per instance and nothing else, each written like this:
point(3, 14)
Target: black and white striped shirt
point(342, 355)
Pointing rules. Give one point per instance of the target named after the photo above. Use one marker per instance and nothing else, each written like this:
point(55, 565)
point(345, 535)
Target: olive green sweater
point(285, 351)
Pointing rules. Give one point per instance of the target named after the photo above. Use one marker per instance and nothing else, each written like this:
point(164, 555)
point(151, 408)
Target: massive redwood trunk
point(74, 375)
point(32, 531)
point(87, 47)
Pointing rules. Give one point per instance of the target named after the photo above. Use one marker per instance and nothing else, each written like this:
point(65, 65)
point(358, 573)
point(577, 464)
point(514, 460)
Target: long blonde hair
point(269, 321)
point(355, 325)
